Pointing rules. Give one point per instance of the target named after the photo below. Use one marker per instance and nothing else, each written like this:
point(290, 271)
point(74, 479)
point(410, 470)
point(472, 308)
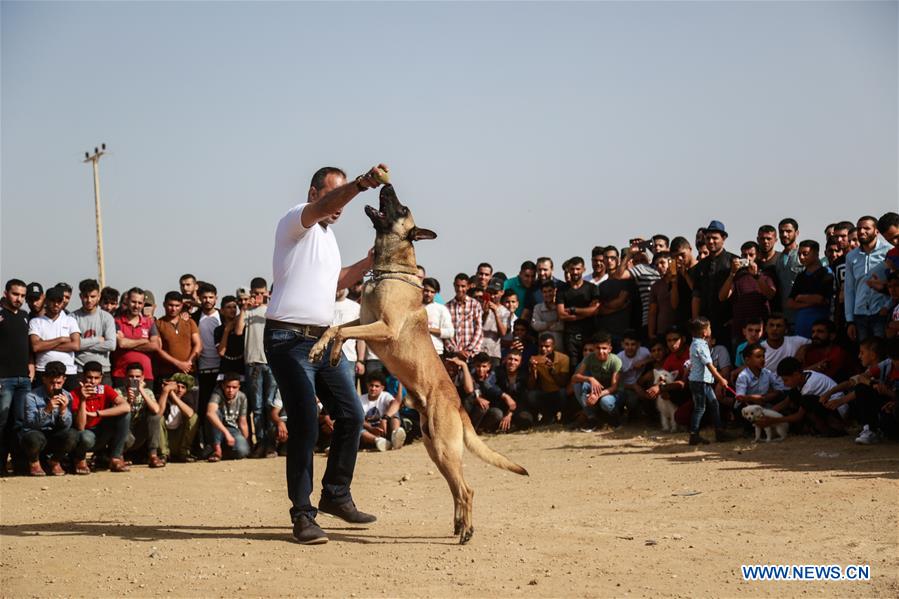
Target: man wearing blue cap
point(709, 275)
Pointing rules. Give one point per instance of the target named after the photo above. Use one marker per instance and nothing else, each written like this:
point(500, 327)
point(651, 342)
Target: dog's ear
point(417, 234)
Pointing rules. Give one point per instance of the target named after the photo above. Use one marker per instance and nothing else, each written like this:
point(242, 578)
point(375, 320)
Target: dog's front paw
point(317, 352)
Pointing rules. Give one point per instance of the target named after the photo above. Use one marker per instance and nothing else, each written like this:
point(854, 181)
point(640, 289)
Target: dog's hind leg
point(457, 507)
point(448, 445)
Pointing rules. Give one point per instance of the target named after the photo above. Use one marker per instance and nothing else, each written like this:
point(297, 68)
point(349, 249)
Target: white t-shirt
point(47, 329)
point(628, 373)
point(439, 318)
point(346, 310)
point(306, 267)
point(254, 330)
point(788, 349)
point(818, 383)
point(209, 357)
point(490, 342)
point(377, 409)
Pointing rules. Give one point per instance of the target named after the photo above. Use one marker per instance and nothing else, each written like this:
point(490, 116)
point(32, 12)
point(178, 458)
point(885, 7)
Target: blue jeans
point(870, 326)
point(109, 432)
point(608, 403)
point(241, 448)
point(12, 399)
point(703, 399)
point(261, 395)
point(300, 381)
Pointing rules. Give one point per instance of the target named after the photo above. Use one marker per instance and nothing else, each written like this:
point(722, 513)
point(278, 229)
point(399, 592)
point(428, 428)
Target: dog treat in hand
point(382, 175)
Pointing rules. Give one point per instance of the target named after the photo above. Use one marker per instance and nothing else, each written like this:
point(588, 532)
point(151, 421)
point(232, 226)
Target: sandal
point(214, 458)
point(82, 468)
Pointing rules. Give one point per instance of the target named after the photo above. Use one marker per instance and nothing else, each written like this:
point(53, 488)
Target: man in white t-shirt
point(440, 321)
point(802, 407)
point(55, 337)
point(307, 274)
point(346, 310)
point(382, 416)
point(777, 345)
point(261, 387)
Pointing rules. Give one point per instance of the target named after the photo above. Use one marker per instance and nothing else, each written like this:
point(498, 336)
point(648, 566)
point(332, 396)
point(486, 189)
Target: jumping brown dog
point(394, 323)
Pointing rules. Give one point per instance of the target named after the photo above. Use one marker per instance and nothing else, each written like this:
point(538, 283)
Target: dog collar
point(398, 275)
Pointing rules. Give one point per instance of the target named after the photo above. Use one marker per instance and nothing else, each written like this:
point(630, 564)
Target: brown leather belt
point(307, 330)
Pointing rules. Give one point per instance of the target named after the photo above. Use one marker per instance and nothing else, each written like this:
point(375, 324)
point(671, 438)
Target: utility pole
point(94, 159)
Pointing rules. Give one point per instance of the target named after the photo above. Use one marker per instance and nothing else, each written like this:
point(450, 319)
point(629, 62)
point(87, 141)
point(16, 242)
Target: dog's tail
point(477, 446)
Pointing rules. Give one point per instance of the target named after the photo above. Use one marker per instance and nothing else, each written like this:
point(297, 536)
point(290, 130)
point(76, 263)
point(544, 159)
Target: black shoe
point(722, 437)
point(306, 531)
point(695, 439)
point(259, 452)
point(345, 511)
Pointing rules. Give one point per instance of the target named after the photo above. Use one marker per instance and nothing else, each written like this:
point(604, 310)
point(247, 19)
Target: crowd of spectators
point(677, 329)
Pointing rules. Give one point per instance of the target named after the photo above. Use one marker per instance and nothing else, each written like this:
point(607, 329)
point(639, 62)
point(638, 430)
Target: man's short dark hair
point(788, 221)
point(173, 296)
point(664, 238)
point(775, 316)
point(134, 366)
point(826, 323)
point(480, 358)
point(868, 217)
point(228, 299)
point(432, 283)
point(610, 248)
point(54, 294)
point(602, 337)
point(109, 294)
point(575, 260)
point(876, 345)
point(546, 335)
point(843, 225)
point(460, 277)
point(597, 251)
point(766, 229)
point(547, 283)
point(54, 369)
point(376, 375)
point(810, 244)
point(230, 376)
point(754, 320)
point(15, 283)
point(485, 264)
point(545, 259)
point(678, 244)
point(788, 366)
point(204, 287)
point(187, 276)
point(750, 348)
point(508, 293)
point(258, 283)
point(527, 265)
point(134, 290)
point(92, 366)
point(631, 334)
point(513, 352)
point(88, 285)
point(318, 179)
point(749, 245)
point(698, 325)
point(890, 219)
point(66, 288)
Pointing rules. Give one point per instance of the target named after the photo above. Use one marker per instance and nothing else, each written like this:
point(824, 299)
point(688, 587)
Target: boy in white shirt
point(382, 418)
point(802, 407)
point(634, 358)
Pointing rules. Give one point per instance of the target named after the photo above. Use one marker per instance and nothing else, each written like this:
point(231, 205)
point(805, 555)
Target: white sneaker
point(398, 438)
point(867, 436)
point(382, 444)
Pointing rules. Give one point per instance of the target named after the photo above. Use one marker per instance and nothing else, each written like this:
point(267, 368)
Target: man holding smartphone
point(46, 426)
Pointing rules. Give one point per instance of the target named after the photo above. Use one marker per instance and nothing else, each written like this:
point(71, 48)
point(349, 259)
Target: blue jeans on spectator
point(241, 447)
point(703, 399)
point(261, 395)
point(299, 381)
point(608, 403)
point(110, 432)
point(870, 326)
point(12, 397)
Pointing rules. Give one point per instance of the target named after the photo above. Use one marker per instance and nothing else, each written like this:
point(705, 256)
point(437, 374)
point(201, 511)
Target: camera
point(744, 262)
point(641, 245)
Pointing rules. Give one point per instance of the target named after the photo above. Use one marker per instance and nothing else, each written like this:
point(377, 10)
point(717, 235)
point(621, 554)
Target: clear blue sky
point(513, 130)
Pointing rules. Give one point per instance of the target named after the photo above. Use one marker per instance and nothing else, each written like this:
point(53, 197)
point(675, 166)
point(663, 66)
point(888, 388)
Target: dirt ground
point(622, 513)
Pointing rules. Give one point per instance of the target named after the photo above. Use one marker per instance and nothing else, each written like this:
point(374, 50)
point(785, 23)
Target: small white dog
point(665, 407)
point(754, 412)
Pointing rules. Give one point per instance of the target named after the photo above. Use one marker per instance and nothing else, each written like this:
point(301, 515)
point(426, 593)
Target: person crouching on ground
point(102, 419)
point(227, 417)
point(382, 420)
point(46, 427)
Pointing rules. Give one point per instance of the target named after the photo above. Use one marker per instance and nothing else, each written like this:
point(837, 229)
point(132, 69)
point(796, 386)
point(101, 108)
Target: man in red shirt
point(824, 355)
point(136, 338)
point(102, 419)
